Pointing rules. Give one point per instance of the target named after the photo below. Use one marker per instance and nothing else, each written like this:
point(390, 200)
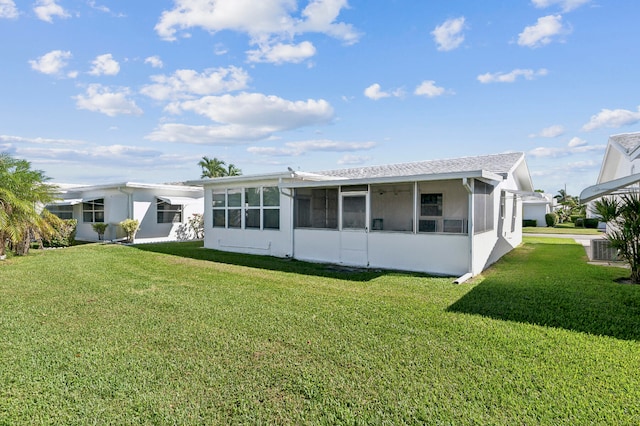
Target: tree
point(212, 167)
point(232, 170)
point(23, 192)
point(623, 214)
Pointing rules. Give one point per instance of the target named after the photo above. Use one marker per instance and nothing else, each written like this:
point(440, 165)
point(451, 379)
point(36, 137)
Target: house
point(452, 217)
point(536, 207)
point(161, 210)
point(620, 169)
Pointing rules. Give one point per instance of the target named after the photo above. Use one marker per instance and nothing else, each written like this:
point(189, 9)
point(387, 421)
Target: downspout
point(470, 230)
point(129, 205)
point(291, 229)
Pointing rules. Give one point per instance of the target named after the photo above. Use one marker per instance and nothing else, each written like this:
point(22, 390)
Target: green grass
point(561, 228)
point(176, 334)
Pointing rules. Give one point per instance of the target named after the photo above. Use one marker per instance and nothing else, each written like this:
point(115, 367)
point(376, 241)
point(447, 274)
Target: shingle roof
point(629, 141)
point(497, 163)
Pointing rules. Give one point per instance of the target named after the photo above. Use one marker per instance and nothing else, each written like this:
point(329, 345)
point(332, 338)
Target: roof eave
point(480, 174)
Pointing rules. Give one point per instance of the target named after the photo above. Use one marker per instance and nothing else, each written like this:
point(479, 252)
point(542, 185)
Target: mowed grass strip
point(176, 334)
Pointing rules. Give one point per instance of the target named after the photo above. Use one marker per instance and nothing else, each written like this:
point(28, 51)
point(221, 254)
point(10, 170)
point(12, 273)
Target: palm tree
point(232, 170)
point(212, 167)
point(624, 216)
point(22, 192)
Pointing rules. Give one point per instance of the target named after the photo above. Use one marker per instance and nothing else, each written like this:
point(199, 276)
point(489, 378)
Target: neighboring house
point(620, 170)
point(450, 217)
point(536, 207)
point(161, 210)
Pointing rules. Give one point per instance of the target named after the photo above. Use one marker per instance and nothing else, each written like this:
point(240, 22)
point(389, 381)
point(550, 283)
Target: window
point(248, 208)
point(63, 212)
point(354, 208)
point(252, 208)
point(219, 200)
point(483, 206)
point(271, 207)
point(316, 208)
point(234, 212)
point(93, 211)
point(168, 213)
point(431, 205)
point(392, 207)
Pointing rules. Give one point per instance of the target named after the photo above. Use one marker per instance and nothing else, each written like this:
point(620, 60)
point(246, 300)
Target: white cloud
point(374, 92)
point(47, 9)
point(39, 140)
point(281, 53)
point(208, 135)
point(429, 89)
point(612, 118)
point(102, 99)
point(512, 76)
point(269, 23)
point(154, 61)
point(448, 36)
point(575, 146)
point(303, 147)
point(353, 160)
point(51, 63)
point(549, 132)
point(257, 110)
point(105, 65)
point(184, 84)
point(242, 118)
point(576, 142)
point(543, 32)
point(565, 5)
point(8, 9)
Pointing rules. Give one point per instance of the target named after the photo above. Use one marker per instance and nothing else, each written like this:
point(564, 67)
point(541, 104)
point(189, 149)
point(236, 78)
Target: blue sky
point(98, 91)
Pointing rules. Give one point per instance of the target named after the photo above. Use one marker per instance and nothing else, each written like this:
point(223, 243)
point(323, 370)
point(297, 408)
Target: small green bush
point(574, 217)
point(591, 222)
point(130, 227)
point(551, 219)
point(529, 222)
point(100, 228)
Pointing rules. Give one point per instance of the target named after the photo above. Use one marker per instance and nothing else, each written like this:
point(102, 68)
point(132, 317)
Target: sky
point(105, 91)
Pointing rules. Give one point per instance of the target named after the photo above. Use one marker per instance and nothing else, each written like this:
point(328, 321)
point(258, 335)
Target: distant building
point(161, 210)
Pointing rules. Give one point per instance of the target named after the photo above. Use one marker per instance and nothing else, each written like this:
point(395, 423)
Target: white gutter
point(470, 230)
point(606, 188)
point(129, 202)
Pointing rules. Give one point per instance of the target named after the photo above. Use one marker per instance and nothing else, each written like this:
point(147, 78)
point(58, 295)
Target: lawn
point(561, 228)
point(176, 334)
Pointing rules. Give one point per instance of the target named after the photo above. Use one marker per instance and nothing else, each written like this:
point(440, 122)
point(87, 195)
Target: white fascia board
point(606, 188)
point(67, 202)
point(478, 174)
point(238, 179)
point(135, 185)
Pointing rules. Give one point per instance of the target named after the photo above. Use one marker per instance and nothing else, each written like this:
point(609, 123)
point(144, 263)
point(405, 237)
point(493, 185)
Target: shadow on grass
point(550, 284)
point(195, 250)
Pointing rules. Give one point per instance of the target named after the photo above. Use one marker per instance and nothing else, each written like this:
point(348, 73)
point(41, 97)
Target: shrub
point(575, 217)
point(551, 219)
point(130, 227)
point(196, 224)
point(100, 228)
point(529, 222)
point(579, 222)
point(65, 232)
point(591, 223)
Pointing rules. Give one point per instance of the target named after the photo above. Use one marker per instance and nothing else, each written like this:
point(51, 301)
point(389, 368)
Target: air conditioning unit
point(601, 250)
